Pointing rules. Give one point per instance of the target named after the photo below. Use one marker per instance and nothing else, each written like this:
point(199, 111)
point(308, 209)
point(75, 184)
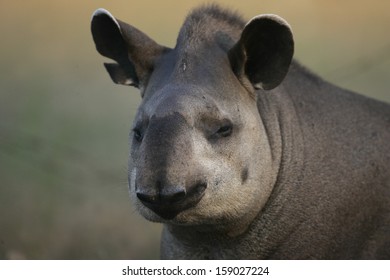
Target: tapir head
point(199, 150)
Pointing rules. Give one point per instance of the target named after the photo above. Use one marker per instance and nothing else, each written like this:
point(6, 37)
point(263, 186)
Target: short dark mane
point(205, 21)
point(203, 13)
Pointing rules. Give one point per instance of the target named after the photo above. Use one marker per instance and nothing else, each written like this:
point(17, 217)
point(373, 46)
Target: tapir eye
point(137, 135)
point(225, 130)
point(215, 129)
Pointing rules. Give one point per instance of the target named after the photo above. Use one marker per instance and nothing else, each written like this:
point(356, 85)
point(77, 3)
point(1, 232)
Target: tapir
point(243, 153)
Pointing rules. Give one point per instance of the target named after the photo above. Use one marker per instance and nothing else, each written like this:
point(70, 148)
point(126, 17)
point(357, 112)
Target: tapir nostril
point(148, 198)
point(168, 201)
point(164, 196)
point(172, 194)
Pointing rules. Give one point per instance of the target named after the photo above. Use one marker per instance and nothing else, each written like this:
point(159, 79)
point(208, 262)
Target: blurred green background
point(64, 125)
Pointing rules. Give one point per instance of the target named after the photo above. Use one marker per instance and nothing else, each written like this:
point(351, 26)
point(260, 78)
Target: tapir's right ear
point(134, 52)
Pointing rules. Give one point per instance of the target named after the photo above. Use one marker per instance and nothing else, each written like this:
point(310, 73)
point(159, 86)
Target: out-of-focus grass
point(64, 125)
point(63, 145)
point(63, 176)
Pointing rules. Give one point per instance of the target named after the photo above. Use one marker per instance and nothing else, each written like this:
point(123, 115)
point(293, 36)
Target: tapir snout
point(169, 181)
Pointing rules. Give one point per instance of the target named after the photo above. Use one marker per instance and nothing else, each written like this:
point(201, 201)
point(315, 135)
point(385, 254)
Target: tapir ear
point(264, 52)
point(134, 52)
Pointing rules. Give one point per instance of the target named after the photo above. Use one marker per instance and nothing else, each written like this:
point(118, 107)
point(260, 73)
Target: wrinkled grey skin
point(243, 155)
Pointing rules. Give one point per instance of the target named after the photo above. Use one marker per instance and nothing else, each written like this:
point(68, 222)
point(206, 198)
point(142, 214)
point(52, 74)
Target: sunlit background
point(64, 125)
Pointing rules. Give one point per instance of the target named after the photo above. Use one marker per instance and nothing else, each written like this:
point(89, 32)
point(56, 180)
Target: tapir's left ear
point(264, 52)
point(134, 52)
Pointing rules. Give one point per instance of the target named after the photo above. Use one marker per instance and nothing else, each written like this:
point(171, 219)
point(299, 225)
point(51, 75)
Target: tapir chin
point(241, 152)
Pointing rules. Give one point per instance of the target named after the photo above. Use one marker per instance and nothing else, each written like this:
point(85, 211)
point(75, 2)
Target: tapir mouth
point(168, 210)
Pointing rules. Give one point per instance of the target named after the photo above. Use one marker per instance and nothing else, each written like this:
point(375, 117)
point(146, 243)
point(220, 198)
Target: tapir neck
point(284, 131)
